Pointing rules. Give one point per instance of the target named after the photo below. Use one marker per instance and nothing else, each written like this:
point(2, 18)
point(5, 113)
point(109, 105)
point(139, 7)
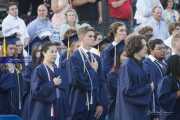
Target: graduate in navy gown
point(117, 34)
point(72, 43)
point(112, 78)
point(11, 82)
point(48, 88)
point(156, 67)
point(110, 65)
point(169, 89)
point(26, 74)
point(134, 87)
point(86, 102)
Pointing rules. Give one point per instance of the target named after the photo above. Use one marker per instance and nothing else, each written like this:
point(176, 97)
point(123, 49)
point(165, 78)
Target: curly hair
point(134, 44)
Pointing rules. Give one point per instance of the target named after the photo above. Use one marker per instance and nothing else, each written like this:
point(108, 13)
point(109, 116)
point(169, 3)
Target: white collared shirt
point(95, 51)
point(114, 43)
point(11, 25)
point(152, 58)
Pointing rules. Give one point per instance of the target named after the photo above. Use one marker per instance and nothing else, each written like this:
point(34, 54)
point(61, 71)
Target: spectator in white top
point(170, 15)
point(71, 22)
point(160, 28)
point(144, 9)
point(12, 24)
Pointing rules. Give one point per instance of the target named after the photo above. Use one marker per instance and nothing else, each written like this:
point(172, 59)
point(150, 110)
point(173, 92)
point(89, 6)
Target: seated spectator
point(41, 26)
point(160, 29)
point(144, 10)
point(170, 15)
point(176, 43)
point(71, 22)
point(173, 27)
point(12, 24)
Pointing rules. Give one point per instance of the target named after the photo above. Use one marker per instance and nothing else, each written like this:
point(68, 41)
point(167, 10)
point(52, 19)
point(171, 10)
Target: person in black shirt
point(89, 11)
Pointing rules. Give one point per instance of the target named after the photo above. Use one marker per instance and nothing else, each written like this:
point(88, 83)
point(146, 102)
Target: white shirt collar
point(12, 17)
point(85, 50)
point(114, 43)
point(152, 58)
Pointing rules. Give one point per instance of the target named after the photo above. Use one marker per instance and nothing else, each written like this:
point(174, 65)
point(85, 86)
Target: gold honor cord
point(4, 47)
point(68, 49)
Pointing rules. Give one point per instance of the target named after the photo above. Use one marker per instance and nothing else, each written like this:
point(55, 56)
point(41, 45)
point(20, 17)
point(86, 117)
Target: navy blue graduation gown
point(12, 85)
point(134, 92)
point(5, 89)
point(167, 97)
point(81, 87)
point(112, 79)
point(155, 74)
point(107, 56)
point(44, 95)
point(26, 74)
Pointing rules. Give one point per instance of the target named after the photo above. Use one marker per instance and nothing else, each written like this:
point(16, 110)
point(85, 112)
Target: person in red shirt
point(120, 10)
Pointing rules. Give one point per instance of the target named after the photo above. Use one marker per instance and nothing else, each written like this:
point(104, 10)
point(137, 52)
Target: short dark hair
point(45, 47)
point(134, 44)
point(11, 4)
point(174, 65)
point(152, 43)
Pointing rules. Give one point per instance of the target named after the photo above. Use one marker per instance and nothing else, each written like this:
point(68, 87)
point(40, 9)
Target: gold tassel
point(4, 47)
point(98, 49)
point(68, 49)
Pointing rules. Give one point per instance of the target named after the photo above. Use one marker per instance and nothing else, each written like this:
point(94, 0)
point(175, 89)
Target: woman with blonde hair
point(71, 22)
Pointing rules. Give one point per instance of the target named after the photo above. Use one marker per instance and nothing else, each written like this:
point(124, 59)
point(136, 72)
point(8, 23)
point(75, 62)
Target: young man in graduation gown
point(134, 88)
point(156, 67)
point(169, 90)
point(86, 93)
